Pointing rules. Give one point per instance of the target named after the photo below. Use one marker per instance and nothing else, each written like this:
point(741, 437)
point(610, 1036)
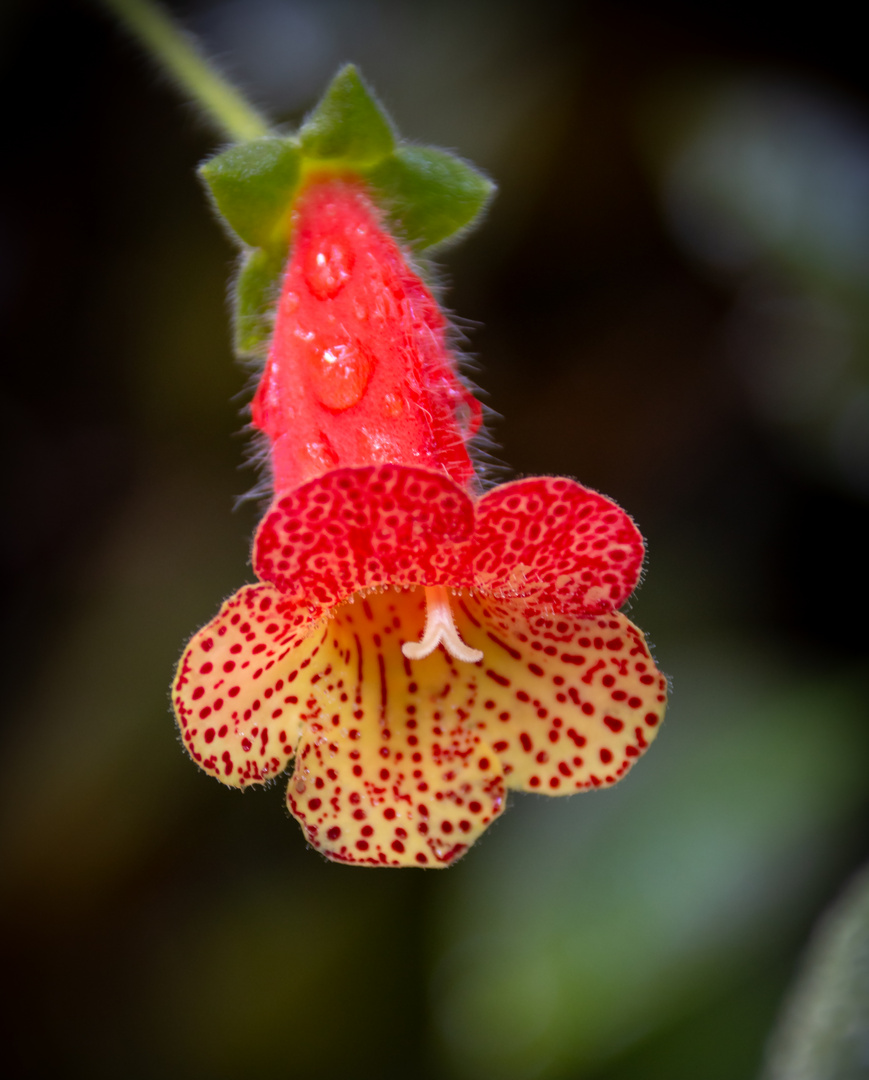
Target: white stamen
point(440, 629)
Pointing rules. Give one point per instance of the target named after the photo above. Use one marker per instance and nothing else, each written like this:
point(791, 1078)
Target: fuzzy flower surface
point(359, 370)
point(413, 648)
point(419, 653)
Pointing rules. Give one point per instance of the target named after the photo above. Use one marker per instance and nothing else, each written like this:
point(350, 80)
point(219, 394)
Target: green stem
point(180, 56)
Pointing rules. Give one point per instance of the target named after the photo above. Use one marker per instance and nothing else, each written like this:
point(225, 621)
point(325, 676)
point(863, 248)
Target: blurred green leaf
point(253, 185)
point(824, 1034)
point(348, 124)
point(430, 194)
point(256, 290)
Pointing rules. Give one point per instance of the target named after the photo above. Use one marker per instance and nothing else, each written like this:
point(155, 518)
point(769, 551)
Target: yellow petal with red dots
point(388, 770)
point(235, 694)
point(566, 703)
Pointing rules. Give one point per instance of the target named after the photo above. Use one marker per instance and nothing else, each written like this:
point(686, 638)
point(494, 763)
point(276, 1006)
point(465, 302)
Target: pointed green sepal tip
point(429, 194)
point(347, 125)
point(255, 295)
point(253, 184)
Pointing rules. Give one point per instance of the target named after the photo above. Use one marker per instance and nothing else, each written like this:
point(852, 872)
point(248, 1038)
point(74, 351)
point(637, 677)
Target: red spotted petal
point(566, 546)
point(235, 695)
point(355, 529)
point(566, 703)
point(387, 772)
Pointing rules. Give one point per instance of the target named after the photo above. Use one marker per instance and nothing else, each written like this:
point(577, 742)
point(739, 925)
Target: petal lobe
point(388, 772)
point(567, 704)
point(357, 529)
point(236, 692)
point(554, 540)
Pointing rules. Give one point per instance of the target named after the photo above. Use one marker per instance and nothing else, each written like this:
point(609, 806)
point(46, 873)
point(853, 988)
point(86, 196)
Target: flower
point(416, 650)
point(419, 653)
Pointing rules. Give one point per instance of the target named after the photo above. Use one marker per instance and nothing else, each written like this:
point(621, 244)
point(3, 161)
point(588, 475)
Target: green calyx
point(348, 126)
point(427, 195)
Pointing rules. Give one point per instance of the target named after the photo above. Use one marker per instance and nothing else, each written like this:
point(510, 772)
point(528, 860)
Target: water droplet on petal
point(339, 374)
point(320, 455)
point(377, 445)
point(327, 267)
point(393, 405)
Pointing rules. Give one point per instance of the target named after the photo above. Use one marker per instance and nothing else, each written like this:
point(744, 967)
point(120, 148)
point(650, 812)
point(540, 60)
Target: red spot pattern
point(401, 762)
point(549, 540)
point(417, 787)
point(555, 729)
point(356, 529)
point(238, 710)
point(552, 539)
point(358, 370)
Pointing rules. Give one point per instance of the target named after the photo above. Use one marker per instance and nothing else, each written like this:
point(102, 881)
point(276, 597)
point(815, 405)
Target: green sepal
point(255, 295)
point(348, 125)
point(429, 194)
point(253, 184)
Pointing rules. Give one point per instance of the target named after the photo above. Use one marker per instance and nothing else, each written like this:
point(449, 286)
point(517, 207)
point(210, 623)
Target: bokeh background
point(669, 300)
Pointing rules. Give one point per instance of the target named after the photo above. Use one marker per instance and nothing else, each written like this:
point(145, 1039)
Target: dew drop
point(393, 405)
point(339, 374)
point(319, 454)
point(327, 267)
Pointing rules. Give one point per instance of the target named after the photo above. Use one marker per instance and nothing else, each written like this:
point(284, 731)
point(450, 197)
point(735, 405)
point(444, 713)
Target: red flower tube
point(358, 371)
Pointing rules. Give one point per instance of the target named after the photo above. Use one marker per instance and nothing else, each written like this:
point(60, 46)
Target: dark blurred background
point(669, 301)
